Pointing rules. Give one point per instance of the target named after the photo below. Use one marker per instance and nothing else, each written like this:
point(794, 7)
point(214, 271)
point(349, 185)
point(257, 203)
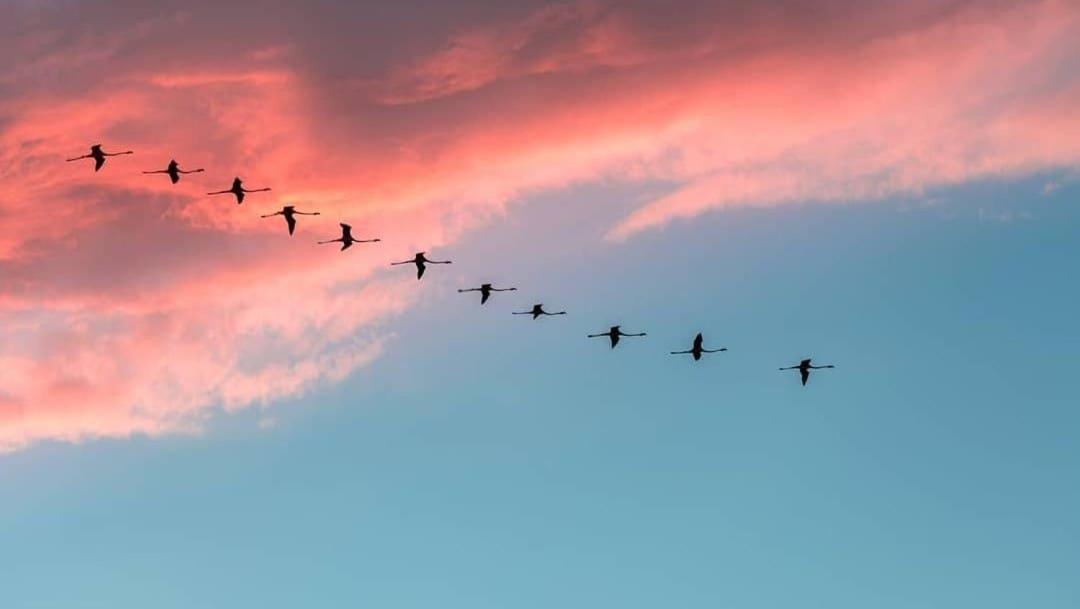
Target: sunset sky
point(198, 410)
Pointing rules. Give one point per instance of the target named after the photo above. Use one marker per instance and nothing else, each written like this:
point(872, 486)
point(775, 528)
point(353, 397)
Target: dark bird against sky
point(237, 189)
point(614, 333)
point(537, 310)
point(99, 156)
point(346, 239)
point(485, 290)
point(290, 213)
point(804, 369)
point(174, 171)
point(421, 261)
point(697, 349)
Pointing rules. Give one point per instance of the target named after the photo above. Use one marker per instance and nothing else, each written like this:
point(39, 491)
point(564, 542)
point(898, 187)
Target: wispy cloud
point(133, 306)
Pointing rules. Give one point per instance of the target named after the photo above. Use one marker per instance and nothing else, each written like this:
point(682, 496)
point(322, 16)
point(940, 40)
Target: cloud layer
point(129, 305)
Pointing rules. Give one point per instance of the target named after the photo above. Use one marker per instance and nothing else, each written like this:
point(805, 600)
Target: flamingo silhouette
point(538, 310)
point(346, 238)
point(614, 333)
point(421, 261)
point(174, 171)
point(290, 213)
point(804, 369)
point(697, 349)
point(238, 190)
point(99, 155)
point(485, 290)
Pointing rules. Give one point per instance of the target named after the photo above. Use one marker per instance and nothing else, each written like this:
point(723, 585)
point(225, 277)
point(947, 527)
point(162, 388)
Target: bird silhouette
point(421, 261)
point(804, 369)
point(238, 190)
point(346, 238)
point(614, 333)
point(174, 171)
point(697, 349)
point(485, 290)
point(290, 213)
point(538, 310)
point(99, 156)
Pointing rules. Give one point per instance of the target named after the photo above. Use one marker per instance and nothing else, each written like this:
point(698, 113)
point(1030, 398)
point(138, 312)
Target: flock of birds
point(289, 212)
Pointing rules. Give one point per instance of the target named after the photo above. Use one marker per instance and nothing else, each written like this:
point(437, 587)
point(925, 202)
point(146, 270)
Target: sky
point(198, 410)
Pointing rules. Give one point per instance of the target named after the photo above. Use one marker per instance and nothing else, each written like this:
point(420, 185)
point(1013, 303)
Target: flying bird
point(485, 290)
point(804, 369)
point(537, 310)
point(697, 349)
point(346, 238)
point(238, 190)
point(614, 333)
point(174, 171)
point(421, 261)
point(290, 213)
point(99, 155)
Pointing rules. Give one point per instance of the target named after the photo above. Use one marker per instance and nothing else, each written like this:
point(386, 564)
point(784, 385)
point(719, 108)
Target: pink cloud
point(134, 306)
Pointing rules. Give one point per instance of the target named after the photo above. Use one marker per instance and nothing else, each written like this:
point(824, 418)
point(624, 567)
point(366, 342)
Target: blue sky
point(485, 460)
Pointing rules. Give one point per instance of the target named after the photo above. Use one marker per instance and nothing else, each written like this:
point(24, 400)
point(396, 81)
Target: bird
point(99, 155)
point(538, 310)
point(804, 369)
point(614, 333)
point(290, 213)
point(485, 290)
point(421, 261)
point(174, 171)
point(697, 349)
point(346, 238)
point(238, 190)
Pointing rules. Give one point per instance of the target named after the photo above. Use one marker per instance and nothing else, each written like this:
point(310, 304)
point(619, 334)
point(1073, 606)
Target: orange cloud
point(134, 306)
